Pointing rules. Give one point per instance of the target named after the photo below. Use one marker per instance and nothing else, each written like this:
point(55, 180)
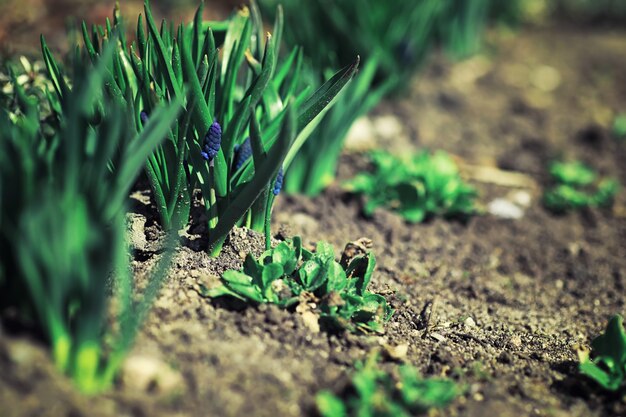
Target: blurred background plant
point(577, 186)
point(417, 186)
point(62, 234)
point(393, 40)
point(374, 392)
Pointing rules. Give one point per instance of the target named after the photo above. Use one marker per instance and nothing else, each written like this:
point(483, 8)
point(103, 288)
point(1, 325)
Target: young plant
point(238, 90)
point(608, 366)
point(376, 393)
point(619, 127)
point(577, 186)
point(417, 187)
point(62, 233)
point(289, 274)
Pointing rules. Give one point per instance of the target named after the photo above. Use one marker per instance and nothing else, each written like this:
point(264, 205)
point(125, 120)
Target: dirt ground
point(496, 304)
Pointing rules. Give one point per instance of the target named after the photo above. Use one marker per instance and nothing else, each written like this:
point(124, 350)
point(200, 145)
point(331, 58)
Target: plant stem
point(268, 220)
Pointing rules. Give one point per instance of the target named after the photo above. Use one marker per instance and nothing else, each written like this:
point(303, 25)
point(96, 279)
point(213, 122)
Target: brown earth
point(509, 299)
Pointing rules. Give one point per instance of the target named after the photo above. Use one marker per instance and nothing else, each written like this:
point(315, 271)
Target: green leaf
point(271, 273)
point(329, 405)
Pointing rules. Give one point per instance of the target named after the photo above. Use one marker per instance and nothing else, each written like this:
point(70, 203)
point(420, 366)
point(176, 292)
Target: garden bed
point(497, 304)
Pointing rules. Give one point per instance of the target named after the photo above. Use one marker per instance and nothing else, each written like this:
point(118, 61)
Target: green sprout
point(416, 187)
point(619, 126)
point(577, 186)
point(237, 86)
point(289, 274)
point(62, 235)
point(608, 366)
point(376, 393)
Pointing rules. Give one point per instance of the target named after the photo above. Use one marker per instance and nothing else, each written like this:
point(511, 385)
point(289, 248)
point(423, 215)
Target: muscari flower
point(144, 117)
point(242, 153)
point(212, 142)
point(278, 184)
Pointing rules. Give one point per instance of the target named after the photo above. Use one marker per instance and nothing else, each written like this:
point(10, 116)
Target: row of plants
point(214, 106)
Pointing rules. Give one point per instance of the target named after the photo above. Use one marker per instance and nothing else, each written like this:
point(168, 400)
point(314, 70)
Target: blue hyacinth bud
point(242, 153)
point(212, 142)
point(144, 117)
point(278, 184)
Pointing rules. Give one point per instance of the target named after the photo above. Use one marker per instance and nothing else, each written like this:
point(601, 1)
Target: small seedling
point(421, 186)
point(607, 365)
point(376, 393)
point(577, 186)
point(619, 127)
point(290, 274)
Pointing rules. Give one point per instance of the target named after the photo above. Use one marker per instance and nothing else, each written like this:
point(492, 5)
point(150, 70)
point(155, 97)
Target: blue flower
point(242, 153)
point(144, 117)
point(278, 184)
point(212, 142)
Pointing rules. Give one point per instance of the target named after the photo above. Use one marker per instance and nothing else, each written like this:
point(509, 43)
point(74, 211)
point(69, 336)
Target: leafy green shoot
point(62, 235)
point(289, 274)
point(376, 393)
point(416, 187)
point(619, 127)
point(577, 186)
point(607, 364)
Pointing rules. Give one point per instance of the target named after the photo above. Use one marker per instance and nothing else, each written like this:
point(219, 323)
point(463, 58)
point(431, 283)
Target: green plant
point(577, 186)
point(619, 126)
point(376, 393)
point(393, 40)
point(460, 25)
point(238, 88)
point(289, 274)
point(416, 187)
point(62, 226)
point(608, 366)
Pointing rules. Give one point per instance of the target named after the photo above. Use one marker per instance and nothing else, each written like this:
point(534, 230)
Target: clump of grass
point(376, 393)
point(393, 40)
point(63, 194)
point(289, 274)
point(234, 86)
point(417, 187)
point(577, 186)
point(607, 363)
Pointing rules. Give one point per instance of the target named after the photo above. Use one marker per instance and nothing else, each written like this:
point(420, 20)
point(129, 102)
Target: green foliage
point(234, 77)
point(619, 126)
point(62, 227)
point(416, 187)
point(376, 393)
point(608, 366)
point(289, 274)
point(393, 38)
point(577, 186)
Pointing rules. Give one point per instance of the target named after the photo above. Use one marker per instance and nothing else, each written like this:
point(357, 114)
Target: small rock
point(149, 374)
point(397, 352)
point(469, 322)
point(360, 136)
point(505, 209)
point(521, 198)
point(545, 78)
point(388, 127)
point(437, 337)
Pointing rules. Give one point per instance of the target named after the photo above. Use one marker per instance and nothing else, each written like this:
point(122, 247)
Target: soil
point(496, 304)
